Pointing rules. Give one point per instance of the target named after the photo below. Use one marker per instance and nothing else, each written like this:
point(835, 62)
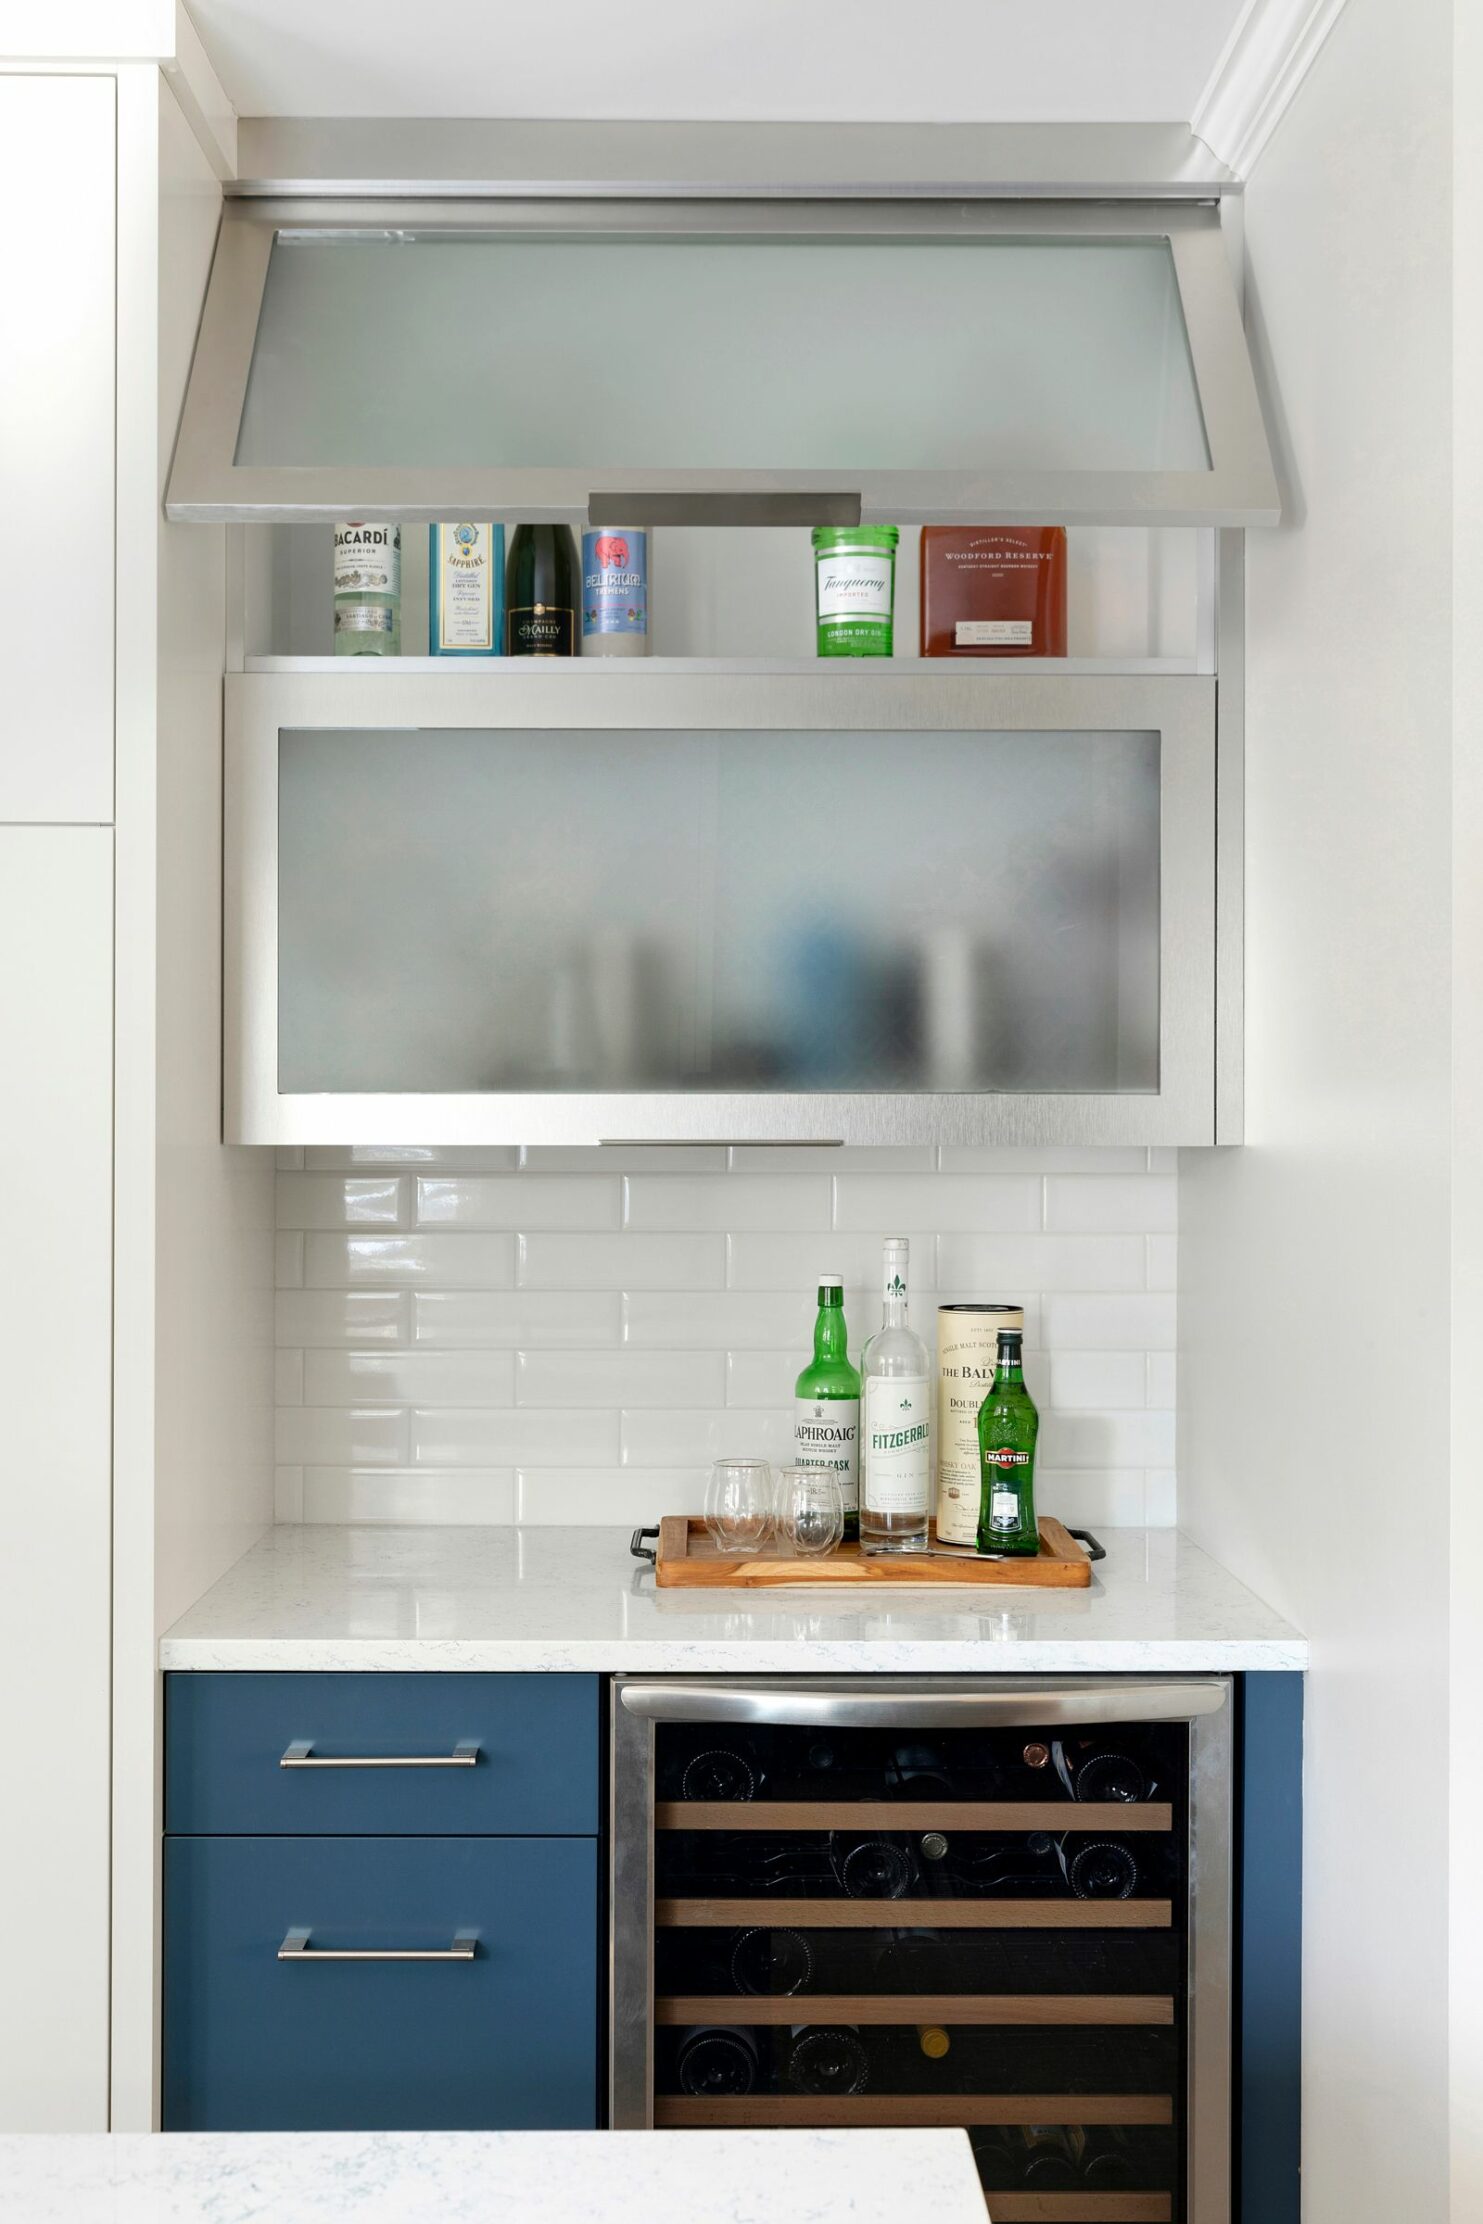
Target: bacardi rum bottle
point(895, 1451)
point(826, 1409)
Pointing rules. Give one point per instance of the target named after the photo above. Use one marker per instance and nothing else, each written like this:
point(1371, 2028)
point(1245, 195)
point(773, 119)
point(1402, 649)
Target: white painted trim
point(87, 31)
point(1268, 54)
point(202, 96)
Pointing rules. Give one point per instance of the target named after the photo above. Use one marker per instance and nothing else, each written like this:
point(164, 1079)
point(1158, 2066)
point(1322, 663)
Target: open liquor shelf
point(944, 1914)
point(921, 2111)
point(891, 1816)
point(922, 2007)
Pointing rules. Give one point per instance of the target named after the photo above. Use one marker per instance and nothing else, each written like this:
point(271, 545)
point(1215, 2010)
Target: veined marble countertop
point(468, 2177)
point(505, 1598)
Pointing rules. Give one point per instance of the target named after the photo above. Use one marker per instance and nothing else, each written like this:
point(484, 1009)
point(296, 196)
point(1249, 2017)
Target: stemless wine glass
point(810, 1510)
point(738, 1505)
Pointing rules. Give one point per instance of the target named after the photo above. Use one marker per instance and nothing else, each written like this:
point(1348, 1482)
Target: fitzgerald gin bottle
point(895, 1454)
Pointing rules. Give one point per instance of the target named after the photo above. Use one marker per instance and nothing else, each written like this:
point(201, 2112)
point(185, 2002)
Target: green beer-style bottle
point(1008, 1425)
point(826, 1410)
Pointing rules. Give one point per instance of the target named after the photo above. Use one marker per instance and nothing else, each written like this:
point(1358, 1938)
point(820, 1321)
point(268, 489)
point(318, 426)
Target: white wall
point(1314, 1264)
point(570, 1336)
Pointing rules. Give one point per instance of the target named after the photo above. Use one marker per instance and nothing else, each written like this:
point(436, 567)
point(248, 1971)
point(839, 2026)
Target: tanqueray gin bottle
point(895, 1451)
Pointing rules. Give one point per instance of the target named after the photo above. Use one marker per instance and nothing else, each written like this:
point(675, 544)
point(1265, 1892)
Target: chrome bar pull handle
point(301, 1754)
point(296, 1948)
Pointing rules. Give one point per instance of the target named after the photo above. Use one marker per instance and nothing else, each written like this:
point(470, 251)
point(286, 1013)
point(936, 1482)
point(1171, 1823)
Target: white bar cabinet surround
point(1157, 742)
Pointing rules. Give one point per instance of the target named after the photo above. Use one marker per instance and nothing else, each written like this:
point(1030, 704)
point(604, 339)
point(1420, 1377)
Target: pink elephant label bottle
point(615, 592)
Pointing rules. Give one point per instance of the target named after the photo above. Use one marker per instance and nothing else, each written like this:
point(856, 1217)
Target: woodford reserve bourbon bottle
point(993, 590)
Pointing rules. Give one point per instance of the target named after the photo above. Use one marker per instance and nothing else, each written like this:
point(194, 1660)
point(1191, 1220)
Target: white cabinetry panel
point(56, 992)
point(57, 162)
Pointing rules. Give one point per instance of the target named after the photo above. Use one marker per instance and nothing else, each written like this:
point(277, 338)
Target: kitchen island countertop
point(573, 1599)
point(625, 2177)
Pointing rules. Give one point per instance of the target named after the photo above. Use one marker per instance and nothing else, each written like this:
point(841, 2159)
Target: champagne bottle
point(1107, 2159)
point(826, 1412)
point(1050, 2163)
point(895, 1455)
point(827, 2059)
point(1099, 1868)
point(1008, 1425)
point(716, 2060)
point(541, 602)
point(1108, 1775)
point(719, 1773)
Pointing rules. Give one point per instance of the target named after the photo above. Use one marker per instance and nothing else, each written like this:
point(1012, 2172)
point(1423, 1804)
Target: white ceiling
point(910, 61)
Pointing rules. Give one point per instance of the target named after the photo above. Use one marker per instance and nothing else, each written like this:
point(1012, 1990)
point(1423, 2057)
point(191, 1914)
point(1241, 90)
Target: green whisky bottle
point(826, 1411)
point(1008, 1425)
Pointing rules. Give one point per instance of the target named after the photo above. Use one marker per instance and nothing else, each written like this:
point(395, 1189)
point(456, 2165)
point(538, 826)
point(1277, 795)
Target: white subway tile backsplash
point(1111, 1380)
point(1124, 1323)
point(622, 1377)
point(1089, 1204)
point(623, 1262)
point(419, 1496)
point(788, 1201)
point(635, 1497)
point(363, 1436)
point(456, 1437)
point(553, 1336)
point(439, 1262)
point(795, 1262)
point(478, 1378)
point(341, 1317)
point(889, 1203)
point(510, 1318)
point(1001, 1268)
point(762, 1377)
point(674, 1439)
point(692, 1320)
point(517, 1201)
point(333, 1201)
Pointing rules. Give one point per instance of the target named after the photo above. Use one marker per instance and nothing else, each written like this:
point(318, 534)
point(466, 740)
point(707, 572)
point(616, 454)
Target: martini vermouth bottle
point(895, 1451)
point(1008, 1425)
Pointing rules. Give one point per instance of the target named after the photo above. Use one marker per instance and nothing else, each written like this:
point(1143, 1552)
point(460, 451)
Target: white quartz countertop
point(505, 1598)
point(623, 2177)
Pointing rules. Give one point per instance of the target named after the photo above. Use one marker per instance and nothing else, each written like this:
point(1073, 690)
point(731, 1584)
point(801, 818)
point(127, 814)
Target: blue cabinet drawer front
point(506, 2041)
point(535, 1738)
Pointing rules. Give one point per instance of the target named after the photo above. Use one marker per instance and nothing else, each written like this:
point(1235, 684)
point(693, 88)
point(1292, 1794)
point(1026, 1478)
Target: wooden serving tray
point(687, 1559)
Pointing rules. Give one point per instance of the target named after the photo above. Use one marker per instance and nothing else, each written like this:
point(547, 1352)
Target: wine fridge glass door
point(891, 1922)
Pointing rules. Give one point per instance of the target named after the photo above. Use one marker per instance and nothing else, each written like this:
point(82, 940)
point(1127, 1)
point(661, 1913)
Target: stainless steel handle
point(301, 1754)
point(296, 1948)
point(917, 1706)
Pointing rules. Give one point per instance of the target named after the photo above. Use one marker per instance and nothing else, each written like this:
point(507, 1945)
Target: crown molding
point(1268, 54)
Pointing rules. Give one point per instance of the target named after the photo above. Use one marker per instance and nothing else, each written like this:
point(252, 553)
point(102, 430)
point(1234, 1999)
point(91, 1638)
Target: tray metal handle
point(642, 1551)
point(1095, 1549)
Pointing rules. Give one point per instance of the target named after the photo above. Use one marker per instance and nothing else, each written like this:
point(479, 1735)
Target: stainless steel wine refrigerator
point(999, 1902)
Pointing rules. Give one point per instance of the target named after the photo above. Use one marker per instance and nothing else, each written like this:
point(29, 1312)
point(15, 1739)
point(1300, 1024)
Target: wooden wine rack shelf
point(1077, 2009)
point(944, 1915)
point(682, 2111)
point(893, 1817)
point(1079, 2208)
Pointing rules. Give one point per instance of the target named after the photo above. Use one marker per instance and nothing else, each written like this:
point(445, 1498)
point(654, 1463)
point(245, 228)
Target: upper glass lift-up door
point(724, 363)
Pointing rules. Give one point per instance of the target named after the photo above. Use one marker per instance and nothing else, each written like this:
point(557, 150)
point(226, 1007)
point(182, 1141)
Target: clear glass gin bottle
point(895, 1452)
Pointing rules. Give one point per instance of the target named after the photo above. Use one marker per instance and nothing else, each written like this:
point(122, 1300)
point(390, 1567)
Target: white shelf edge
point(1061, 667)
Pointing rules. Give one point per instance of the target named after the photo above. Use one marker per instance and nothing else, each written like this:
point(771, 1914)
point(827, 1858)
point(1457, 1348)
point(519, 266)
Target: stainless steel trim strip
point(301, 1754)
point(820, 1704)
point(719, 508)
point(296, 1949)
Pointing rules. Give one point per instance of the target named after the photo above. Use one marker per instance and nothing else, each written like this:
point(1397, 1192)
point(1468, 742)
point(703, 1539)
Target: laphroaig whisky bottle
point(895, 1450)
point(1008, 1425)
point(826, 1410)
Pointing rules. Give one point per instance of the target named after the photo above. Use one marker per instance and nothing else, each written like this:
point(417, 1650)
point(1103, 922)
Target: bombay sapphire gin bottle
point(895, 1452)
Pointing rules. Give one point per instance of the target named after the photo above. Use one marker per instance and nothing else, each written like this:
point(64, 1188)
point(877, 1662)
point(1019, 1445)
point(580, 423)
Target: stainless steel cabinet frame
point(1206, 365)
point(842, 698)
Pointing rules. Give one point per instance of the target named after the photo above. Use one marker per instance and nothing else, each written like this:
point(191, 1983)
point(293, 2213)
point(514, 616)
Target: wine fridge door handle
point(301, 1754)
point(296, 1948)
point(921, 1707)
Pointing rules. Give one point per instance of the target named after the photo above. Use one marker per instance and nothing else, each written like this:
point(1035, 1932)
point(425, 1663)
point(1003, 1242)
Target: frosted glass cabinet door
point(849, 913)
